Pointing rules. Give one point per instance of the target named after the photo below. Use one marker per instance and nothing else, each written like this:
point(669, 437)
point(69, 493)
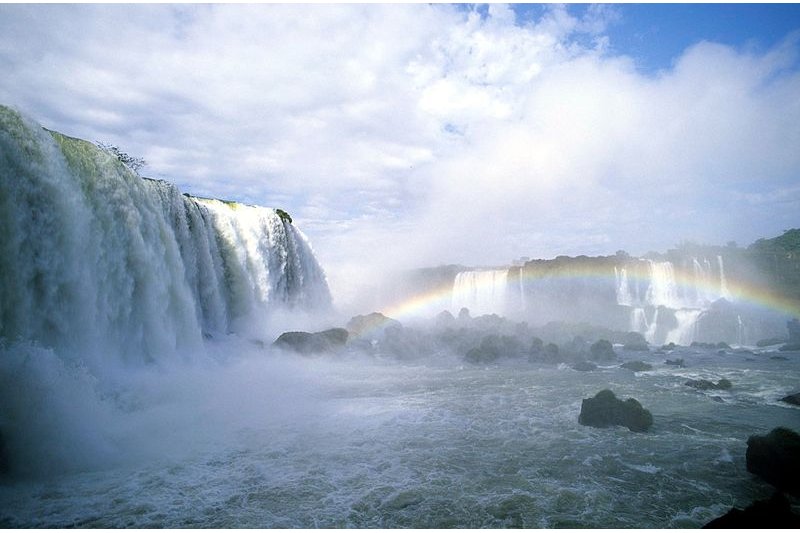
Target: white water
point(480, 291)
point(103, 273)
point(687, 300)
point(269, 442)
point(623, 289)
point(686, 330)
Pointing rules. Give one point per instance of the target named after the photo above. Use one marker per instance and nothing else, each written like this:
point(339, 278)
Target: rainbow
point(434, 301)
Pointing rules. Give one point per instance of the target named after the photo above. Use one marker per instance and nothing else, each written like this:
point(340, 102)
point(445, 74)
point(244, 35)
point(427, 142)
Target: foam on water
point(275, 441)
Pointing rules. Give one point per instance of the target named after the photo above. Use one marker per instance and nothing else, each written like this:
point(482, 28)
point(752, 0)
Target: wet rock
point(494, 347)
point(370, 325)
point(675, 362)
point(602, 350)
point(605, 410)
point(793, 399)
point(636, 342)
point(771, 342)
point(584, 366)
point(445, 319)
point(775, 513)
point(775, 458)
point(305, 343)
point(549, 353)
point(704, 384)
point(637, 366)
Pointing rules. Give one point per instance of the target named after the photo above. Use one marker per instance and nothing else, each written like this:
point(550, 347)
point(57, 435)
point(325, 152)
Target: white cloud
point(417, 134)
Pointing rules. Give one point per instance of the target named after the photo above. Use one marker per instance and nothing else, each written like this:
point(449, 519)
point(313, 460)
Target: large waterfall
point(96, 260)
point(480, 291)
point(687, 290)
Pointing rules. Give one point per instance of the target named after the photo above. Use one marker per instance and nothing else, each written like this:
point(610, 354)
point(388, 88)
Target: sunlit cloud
point(408, 135)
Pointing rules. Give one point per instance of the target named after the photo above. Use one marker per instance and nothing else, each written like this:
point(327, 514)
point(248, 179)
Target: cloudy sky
point(402, 135)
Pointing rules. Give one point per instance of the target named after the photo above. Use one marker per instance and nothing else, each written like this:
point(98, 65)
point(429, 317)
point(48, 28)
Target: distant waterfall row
point(94, 258)
point(483, 292)
point(648, 285)
point(654, 283)
point(662, 300)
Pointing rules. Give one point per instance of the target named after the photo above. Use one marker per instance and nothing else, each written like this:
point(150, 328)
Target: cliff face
point(96, 259)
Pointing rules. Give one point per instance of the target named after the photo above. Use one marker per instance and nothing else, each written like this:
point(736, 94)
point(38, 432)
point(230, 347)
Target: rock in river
point(605, 409)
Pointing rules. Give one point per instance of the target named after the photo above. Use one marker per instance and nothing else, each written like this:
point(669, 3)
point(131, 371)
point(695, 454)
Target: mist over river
point(141, 383)
point(261, 439)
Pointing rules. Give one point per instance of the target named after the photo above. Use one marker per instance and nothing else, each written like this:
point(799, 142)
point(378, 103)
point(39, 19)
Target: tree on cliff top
point(788, 242)
point(133, 163)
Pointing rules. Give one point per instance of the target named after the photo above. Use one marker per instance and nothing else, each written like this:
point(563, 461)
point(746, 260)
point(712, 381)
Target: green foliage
point(788, 242)
point(133, 163)
point(284, 215)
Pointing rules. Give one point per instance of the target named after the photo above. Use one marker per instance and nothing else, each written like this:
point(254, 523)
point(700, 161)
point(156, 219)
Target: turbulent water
point(371, 442)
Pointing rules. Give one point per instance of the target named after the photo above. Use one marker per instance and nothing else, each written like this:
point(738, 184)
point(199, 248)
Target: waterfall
point(652, 328)
point(685, 332)
point(723, 284)
point(96, 260)
point(623, 290)
point(663, 289)
point(639, 320)
point(480, 291)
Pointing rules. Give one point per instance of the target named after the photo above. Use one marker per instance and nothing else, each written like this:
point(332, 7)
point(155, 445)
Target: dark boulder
point(304, 342)
point(775, 513)
point(793, 347)
point(635, 342)
point(637, 366)
point(605, 410)
point(602, 351)
point(494, 347)
point(704, 384)
point(775, 457)
point(770, 342)
point(675, 362)
point(445, 319)
point(371, 325)
point(793, 399)
point(584, 366)
point(549, 353)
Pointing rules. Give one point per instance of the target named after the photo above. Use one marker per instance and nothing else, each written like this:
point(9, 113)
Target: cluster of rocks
point(704, 384)
point(302, 342)
point(479, 340)
point(775, 458)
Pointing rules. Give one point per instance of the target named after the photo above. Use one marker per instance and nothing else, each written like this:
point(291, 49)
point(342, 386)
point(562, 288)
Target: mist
point(425, 266)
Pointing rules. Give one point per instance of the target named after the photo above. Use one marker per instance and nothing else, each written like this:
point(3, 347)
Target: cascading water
point(95, 257)
point(723, 284)
point(480, 291)
point(623, 288)
point(700, 287)
point(103, 272)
